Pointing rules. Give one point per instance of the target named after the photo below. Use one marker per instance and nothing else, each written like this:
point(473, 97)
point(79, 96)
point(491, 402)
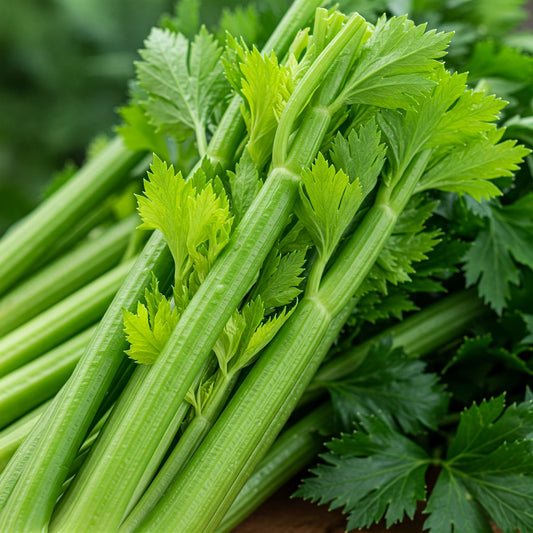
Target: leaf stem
point(353, 30)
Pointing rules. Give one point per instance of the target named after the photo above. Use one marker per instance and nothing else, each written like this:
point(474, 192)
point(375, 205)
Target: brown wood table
point(281, 514)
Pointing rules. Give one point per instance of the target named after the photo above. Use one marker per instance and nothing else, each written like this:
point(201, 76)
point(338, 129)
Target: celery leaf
point(265, 86)
point(194, 218)
point(490, 262)
point(394, 64)
point(409, 243)
point(184, 82)
point(467, 169)
point(139, 134)
point(360, 155)
point(280, 279)
point(149, 329)
point(186, 18)
point(488, 472)
point(244, 184)
point(372, 472)
point(328, 203)
point(392, 386)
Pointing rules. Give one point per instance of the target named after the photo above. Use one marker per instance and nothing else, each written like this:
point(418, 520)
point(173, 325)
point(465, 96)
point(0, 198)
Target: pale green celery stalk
point(12, 436)
point(261, 406)
point(31, 237)
point(293, 450)
point(31, 384)
point(101, 494)
point(419, 335)
point(86, 447)
point(182, 452)
point(61, 321)
point(32, 480)
point(65, 275)
point(98, 216)
point(31, 483)
point(199, 427)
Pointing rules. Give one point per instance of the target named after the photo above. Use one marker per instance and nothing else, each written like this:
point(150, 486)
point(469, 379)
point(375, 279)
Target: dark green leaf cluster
point(487, 473)
point(391, 385)
point(505, 241)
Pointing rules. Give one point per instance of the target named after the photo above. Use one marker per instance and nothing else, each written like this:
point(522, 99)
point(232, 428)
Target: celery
point(151, 408)
point(28, 386)
point(247, 427)
point(65, 275)
point(60, 321)
point(64, 426)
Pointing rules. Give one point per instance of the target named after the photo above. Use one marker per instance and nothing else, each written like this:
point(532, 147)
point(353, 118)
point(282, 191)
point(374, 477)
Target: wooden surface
point(281, 514)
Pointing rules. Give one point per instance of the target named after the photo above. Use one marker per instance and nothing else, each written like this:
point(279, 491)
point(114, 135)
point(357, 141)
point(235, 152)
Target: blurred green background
point(64, 67)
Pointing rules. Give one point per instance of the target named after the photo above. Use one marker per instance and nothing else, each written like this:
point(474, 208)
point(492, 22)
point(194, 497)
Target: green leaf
point(164, 205)
point(360, 155)
point(280, 279)
point(265, 86)
point(427, 277)
point(244, 184)
point(409, 243)
point(488, 472)
point(447, 117)
point(375, 306)
point(452, 508)
point(488, 364)
point(194, 218)
point(229, 340)
point(370, 473)
point(185, 82)
point(139, 134)
point(199, 396)
point(490, 262)
point(244, 21)
point(186, 19)
point(468, 117)
point(261, 336)
point(394, 64)
point(328, 203)
point(480, 353)
point(467, 169)
point(149, 329)
point(493, 60)
point(389, 385)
